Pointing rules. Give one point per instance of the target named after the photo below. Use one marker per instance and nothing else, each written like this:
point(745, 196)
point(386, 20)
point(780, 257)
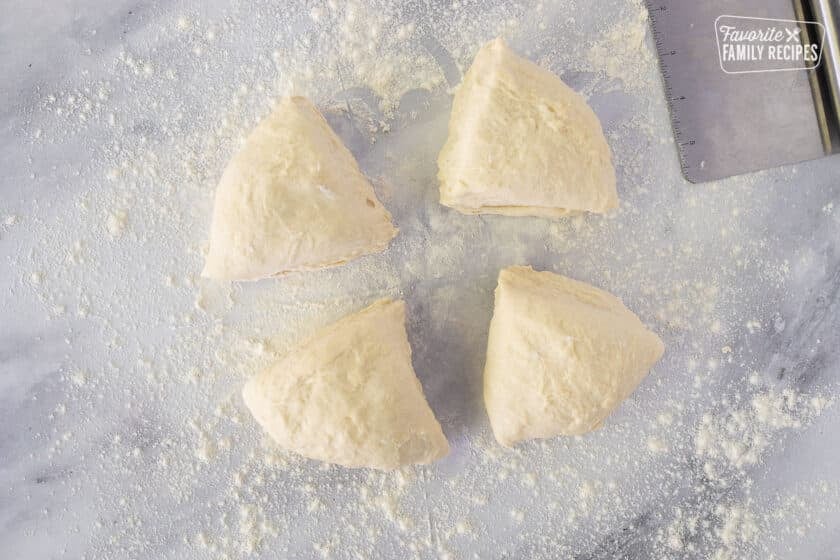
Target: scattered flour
point(150, 404)
point(738, 437)
point(622, 53)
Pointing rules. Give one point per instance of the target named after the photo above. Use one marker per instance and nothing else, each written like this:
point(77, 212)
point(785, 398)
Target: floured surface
point(124, 434)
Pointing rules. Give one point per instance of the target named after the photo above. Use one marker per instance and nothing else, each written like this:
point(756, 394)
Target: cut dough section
point(561, 356)
point(293, 199)
point(522, 143)
point(348, 395)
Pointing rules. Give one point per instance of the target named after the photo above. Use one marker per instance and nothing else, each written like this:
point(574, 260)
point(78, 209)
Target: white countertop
point(123, 433)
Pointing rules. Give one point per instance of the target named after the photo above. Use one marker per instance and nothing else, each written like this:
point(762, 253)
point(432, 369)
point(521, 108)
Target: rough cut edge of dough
point(534, 211)
point(370, 250)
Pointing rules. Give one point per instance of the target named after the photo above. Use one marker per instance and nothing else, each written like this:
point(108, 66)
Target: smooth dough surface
point(348, 395)
point(293, 198)
point(522, 143)
point(561, 356)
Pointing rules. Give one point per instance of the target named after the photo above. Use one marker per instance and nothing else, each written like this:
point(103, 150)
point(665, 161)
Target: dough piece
point(561, 356)
point(348, 395)
point(293, 199)
point(522, 143)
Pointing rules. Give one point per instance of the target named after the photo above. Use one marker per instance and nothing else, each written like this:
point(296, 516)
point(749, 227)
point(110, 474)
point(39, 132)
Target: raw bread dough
point(293, 199)
point(348, 395)
point(561, 356)
point(522, 143)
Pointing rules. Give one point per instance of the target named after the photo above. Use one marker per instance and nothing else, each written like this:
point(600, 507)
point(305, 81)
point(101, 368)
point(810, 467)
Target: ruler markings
point(657, 10)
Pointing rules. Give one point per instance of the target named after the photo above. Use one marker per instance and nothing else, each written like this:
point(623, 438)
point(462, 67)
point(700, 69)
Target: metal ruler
point(728, 124)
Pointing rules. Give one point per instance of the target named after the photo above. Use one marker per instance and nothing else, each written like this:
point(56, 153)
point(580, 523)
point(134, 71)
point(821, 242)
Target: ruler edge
point(672, 116)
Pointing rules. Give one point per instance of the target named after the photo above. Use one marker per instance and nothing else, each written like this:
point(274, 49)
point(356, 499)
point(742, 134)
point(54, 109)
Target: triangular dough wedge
point(561, 356)
point(348, 395)
point(522, 143)
point(293, 199)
